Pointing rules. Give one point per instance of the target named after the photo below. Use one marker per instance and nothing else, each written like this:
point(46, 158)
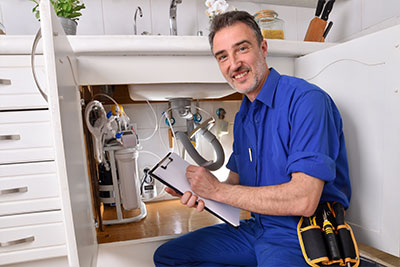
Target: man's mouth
point(240, 75)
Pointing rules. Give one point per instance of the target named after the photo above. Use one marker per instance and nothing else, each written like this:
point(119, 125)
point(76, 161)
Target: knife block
point(316, 30)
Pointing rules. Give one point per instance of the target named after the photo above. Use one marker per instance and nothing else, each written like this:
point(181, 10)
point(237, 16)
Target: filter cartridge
point(128, 178)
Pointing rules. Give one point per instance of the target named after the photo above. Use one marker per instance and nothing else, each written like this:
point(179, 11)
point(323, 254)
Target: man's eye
point(221, 58)
point(243, 48)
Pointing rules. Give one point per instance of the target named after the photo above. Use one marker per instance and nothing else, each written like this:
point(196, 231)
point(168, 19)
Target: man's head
point(228, 19)
point(237, 44)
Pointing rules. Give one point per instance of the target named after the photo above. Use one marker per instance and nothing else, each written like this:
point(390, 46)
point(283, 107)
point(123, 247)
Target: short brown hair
point(228, 19)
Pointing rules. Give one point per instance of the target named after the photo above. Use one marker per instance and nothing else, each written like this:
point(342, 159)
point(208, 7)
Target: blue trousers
point(223, 245)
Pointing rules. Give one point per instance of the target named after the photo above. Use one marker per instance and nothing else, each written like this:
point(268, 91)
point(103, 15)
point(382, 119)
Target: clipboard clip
point(166, 164)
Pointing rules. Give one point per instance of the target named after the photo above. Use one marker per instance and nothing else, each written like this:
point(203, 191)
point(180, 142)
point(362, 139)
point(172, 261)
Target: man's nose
point(235, 63)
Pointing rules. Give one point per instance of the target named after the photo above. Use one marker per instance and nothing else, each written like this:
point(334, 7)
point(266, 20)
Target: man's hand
point(202, 181)
point(188, 199)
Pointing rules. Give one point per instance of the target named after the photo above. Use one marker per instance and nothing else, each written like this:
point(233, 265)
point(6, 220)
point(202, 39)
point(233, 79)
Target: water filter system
point(116, 152)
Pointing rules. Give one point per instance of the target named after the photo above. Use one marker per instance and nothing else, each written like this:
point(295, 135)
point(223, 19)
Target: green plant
point(64, 8)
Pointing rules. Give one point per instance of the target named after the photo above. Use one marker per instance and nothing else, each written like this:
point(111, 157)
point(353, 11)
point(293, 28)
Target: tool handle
point(330, 240)
point(339, 212)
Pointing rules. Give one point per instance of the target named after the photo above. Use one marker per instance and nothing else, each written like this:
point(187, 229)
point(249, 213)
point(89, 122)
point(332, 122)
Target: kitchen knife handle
point(327, 9)
point(320, 5)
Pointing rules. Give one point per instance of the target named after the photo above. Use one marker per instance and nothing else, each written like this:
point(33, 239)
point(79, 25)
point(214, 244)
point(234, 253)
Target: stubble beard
point(260, 67)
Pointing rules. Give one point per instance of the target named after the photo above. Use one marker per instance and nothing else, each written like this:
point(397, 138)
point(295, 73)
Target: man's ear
point(264, 48)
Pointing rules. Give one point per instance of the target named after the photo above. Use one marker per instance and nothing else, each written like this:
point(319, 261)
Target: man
point(288, 156)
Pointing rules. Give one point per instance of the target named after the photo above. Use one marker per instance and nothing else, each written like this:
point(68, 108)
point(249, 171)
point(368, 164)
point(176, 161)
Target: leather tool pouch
point(316, 30)
point(315, 248)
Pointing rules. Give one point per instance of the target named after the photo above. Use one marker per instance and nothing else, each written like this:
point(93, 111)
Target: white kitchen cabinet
point(31, 222)
point(67, 132)
point(360, 75)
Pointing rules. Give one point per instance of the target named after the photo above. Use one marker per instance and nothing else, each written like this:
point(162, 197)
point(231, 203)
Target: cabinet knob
point(17, 242)
point(5, 82)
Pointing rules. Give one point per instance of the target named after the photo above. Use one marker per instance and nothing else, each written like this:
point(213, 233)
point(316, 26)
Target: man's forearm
point(298, 197)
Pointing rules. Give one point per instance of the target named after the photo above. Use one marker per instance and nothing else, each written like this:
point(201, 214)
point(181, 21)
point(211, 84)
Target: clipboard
point(171, 171)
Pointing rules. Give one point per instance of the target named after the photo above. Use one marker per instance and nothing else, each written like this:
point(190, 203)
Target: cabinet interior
point(164, 217)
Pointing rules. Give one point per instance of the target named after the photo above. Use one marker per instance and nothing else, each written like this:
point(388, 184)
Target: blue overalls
point(292, 126)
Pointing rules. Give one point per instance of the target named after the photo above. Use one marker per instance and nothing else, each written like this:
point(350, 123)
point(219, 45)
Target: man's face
point(240, 58)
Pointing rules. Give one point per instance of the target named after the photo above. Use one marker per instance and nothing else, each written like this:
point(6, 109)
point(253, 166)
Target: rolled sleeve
point(314, 164)
point(231, 165)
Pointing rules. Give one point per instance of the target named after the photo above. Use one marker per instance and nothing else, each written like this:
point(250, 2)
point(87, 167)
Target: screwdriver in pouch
point(330, 239)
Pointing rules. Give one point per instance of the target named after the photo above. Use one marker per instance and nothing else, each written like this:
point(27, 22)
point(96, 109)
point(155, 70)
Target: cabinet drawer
point(19, 188)
point(30, 187)
point(17, 86)
point(49, 232)
point(25, 136)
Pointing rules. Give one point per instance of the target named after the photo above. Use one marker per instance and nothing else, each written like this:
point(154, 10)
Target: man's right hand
point(188, 198)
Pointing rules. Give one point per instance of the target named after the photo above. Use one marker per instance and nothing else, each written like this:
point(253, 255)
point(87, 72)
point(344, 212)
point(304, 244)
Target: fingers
point(189, 199)
point(200, 205)
point(192, 201)
point(185, 197)
point(172, 192)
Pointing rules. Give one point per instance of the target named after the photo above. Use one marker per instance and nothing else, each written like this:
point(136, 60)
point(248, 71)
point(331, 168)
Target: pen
point(250, 156)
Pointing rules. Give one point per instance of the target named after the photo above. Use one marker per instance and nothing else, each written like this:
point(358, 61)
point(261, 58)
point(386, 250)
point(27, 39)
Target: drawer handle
point(10, 137)
point(17, 242)
point(5, 82)
point(14, 190)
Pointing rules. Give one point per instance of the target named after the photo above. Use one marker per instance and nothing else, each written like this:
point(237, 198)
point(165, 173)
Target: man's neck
point(253, 94)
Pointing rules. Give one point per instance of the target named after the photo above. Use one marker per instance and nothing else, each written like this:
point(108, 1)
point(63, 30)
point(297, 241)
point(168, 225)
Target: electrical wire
point(344, 59)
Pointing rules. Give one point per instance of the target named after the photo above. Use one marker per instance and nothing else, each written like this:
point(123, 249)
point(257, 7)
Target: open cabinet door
point(65, 109)
point(362, 76)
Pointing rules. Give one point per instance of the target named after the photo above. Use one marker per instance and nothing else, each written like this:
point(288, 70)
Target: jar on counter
point(271, 26)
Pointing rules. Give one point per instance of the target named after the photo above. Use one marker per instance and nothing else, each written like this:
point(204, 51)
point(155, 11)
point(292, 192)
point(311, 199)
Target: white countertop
point(157, 66)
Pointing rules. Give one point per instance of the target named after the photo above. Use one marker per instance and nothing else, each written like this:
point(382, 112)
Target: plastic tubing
point(156, 123)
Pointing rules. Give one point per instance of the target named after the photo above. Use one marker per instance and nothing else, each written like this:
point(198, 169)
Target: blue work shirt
point(292, 126)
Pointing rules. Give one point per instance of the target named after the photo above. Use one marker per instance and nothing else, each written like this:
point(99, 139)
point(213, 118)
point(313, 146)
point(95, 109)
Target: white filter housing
point(128, 176)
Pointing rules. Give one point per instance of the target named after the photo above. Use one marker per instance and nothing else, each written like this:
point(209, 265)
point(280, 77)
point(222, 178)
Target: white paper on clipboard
point(171, 171)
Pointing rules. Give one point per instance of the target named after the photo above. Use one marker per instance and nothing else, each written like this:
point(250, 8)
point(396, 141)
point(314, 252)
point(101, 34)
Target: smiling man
point(288, 157)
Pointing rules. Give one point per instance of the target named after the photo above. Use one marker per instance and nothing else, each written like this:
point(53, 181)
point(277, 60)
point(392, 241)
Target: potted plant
point(66, 10)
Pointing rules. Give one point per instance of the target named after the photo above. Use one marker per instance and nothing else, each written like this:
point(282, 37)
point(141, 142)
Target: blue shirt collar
point(266, 95)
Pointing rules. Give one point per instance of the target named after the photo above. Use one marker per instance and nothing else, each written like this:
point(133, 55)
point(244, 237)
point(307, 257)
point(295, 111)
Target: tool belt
point(326, 239)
